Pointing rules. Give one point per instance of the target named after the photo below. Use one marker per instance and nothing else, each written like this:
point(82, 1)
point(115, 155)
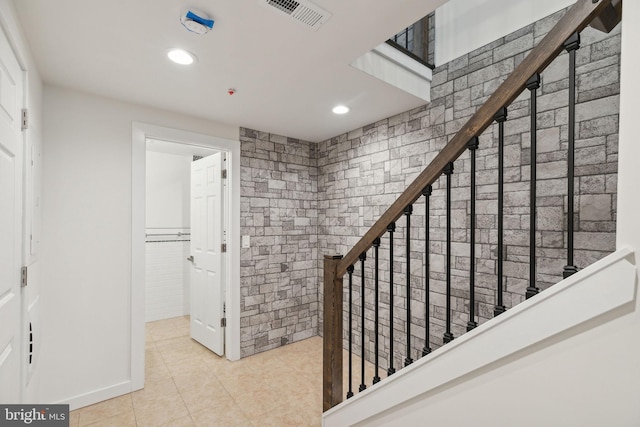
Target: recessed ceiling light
point(181, 57)
point(340, 109)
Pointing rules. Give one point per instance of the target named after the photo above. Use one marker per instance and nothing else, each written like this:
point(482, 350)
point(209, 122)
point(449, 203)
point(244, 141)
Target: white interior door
point(207, 238)
point(11, 156)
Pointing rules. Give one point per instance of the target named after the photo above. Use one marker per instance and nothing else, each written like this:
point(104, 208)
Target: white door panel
point(207, 275)
point(10, 224)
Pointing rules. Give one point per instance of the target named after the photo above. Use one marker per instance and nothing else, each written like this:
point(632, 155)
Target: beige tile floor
point(187, 385)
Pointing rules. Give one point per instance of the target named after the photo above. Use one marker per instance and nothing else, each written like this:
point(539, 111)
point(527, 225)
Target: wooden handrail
point(575, 20)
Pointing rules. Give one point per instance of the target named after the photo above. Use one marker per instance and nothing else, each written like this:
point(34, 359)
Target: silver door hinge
point(23, 277)
point(224, 247)
point(223, 322)
point(25, 119)
point(224, 174)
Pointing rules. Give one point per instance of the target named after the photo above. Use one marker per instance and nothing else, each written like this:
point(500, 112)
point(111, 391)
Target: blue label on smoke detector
point(200, 20)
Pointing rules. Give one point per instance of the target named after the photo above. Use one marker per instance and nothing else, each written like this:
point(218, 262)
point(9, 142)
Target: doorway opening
point(184, 237)
point(166, 232)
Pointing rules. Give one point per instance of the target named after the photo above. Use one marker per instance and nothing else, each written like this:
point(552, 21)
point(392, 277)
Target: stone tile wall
point(279, 282)
point(431, 19)
point(362, 172)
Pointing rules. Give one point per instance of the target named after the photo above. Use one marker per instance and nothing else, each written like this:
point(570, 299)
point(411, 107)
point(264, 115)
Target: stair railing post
point(376, 246)
point(332, 334)
point(407, 213)
point(391, 228)
point(500, 117)
point(571, 45)
point(427, 270)
point(533, 84)
point(350, 331)
point(448, 336)
point(363, 335)
point(472, 324)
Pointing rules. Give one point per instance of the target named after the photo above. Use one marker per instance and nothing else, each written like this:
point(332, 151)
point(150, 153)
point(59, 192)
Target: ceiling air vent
point(304, 12)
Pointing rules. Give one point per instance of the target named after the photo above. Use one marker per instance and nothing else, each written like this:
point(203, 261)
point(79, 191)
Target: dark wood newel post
point(332, 334)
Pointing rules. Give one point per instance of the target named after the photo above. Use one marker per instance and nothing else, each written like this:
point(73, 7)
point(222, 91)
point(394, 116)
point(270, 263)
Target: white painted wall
point(86, 247)
point(465, 25)
point(168, 190)
point(168, 206)
point(32, 193)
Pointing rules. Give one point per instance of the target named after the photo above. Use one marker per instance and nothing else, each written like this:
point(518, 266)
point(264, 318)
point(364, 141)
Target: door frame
point(20, 204)
point(140, 133)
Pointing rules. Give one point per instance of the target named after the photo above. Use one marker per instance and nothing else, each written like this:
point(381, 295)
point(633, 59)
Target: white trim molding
point(140, 132)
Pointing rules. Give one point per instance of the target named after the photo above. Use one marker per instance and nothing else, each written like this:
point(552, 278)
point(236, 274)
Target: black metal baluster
point(571, 45)
point(363, 257)
point(500, 117)
point(427, 194)
point(391, 228)
point(407, 212)
point(406, 38)
point(448, 336)
point(350, 271)
point(472, 324)
point(376, 246)
point(533, 84)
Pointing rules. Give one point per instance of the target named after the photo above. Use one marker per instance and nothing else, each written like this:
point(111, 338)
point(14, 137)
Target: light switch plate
point(246, 242)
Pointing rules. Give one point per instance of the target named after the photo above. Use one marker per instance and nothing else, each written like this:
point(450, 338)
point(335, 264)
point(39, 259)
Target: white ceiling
point(287, 76)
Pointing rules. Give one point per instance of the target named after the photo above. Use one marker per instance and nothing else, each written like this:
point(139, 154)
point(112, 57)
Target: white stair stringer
point(566, 357)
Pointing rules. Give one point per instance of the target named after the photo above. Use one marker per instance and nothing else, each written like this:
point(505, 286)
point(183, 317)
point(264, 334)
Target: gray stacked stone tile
point(279, 286)
point(431, 38)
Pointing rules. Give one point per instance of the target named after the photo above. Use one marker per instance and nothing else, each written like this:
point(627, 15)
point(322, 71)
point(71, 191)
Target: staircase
point(510, 342)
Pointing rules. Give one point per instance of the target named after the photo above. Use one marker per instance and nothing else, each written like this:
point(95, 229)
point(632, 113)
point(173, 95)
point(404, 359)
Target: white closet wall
point(168, 227)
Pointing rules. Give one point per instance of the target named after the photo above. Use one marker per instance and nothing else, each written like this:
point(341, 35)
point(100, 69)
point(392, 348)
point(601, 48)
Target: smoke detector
point(302, 11)
point(196, 21)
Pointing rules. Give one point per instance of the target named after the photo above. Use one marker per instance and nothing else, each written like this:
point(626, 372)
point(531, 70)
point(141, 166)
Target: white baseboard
point(96, 396)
